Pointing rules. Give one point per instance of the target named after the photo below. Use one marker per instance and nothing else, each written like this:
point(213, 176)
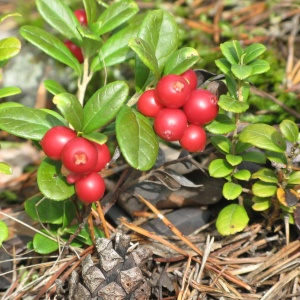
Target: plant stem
point(84, 81)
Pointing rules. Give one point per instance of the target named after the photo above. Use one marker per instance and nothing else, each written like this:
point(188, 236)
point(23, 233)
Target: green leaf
point(266, 175)
point(181, 60)
point(254, 156)
point(70, 108)
point(261, 204)
point(3, 232)
point(232, 86)
point(44, 210)
point(264, 189)
point(90, 8)
point(53, 87)
point(44, 245)
point(263, 136)
point(244, 91)
point(50, 45)
point(222, 124)
point(234, 160)
point(115, 15)
point(26, 122)
point(241, 147)
point(232, 51)
point(232, 218)
point(220, 168)
point(51, 182)
point(242, 175)
point(9, 91)
point(136, 138)
point(9, 15)
point(242, 71)
point(146, 54)
point(222, 143)
point(259, 66)
point(9, 47)
point(60, 17)
point(289, 130)
point(104, 105)
point(224, 65)
point(253, 51)
point(294, 178)
point(231, 190)
point(96, 137)
point(5, 168)
point(276, 157)
point(159, 29)
point(232, 105)
point(115, 50)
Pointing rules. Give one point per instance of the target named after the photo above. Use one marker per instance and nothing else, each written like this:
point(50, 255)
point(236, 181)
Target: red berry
point(148, 104)
point(90, 188)
point(202, 107)
point(193, 139)
point(55, 139)
point(173, 91)
point(81, 16)
point(79, 156)
point(103, 156)
point(73, 177)
point(170, 124)
point(191, 77)
point(75, 50)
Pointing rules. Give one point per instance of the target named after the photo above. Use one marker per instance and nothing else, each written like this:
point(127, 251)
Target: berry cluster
point(81, 158)
point(180, 110)
point(77, 52)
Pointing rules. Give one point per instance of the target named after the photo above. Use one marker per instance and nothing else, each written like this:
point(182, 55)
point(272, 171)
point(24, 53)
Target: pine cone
point(118, 275)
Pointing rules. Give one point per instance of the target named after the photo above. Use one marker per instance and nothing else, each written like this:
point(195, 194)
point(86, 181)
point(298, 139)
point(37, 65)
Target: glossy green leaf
point(159, 29)
point(224, 65)
point(222, 143)
point(244, 91)
point(29, 123)
point(146, 54)
point(91, 42)
point(253, 51)
point(222, 124)
point(104, 105)
point(232, 86)
point(232, 51)
point(136, 138)
point(254, 156)
point(234, 160)
point(242, 175)
point(3, 232)
point(264, 189)
point(115, 50)
point(60, 17)
point(50, 45)
point(44, 245)
point(266, 175)
point(232, 218)
point(259, 66)
point(70, 108)
point(51, 182)
point(56, 115)
point(241, 147)
point(90, 8)
point(232, 105)
point(9, 91)
point(54, 87)
point(44, 210)
point(263, 136)
point(294, 178)
point(9, 47)
point(231, 190)
point(181, 60)
point(276, 157)
point(5, 168)
point(115, 15)
point(220, 168)
point(289, 130)
point(242, 71)
point(10, 104)
point(9, 15)
point(261, 204)
point(96, 137)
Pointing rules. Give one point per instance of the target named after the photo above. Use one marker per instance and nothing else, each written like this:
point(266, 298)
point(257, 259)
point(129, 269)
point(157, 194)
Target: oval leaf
point(261, 204)
point(265, 175)
point(3, 232)
point(294, 178)
point(44, 245)
point(104, 105)
point(222, 124)
point(224, 65)
point(53, 87)
point(9, 91)
point(263, 136)
point(219, 168)
point(233, 218)
point(289, 130)
point(234, 160)
point(96, 137)
point(254, 156)
point(231, 190)
point(9, 47)
point(232, 105)
point(264, 189)
point(242, 71)
point(50, 45)
point(242, 175)
point(70, 108)
point(26, 122)
point(51, 182)
point(232, 51)
point(253, 51)
point(222, 143)
point(91, 10)
point(259, 66)
point(5, 168)
point(136, 138)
